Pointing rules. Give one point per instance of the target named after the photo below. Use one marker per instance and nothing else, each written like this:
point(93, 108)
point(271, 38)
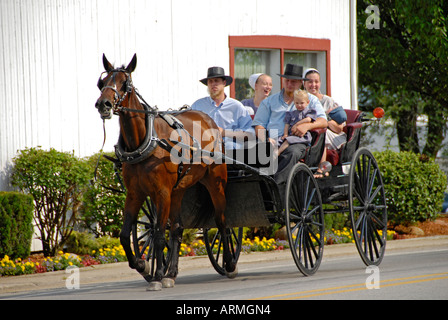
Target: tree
point(403, 60)
point(103, 203)
point(56, 180)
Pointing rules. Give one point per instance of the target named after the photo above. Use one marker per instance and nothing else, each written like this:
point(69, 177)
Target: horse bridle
point(118, 98)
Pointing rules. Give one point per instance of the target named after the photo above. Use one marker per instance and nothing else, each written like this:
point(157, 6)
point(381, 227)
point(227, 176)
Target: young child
point(302, 114)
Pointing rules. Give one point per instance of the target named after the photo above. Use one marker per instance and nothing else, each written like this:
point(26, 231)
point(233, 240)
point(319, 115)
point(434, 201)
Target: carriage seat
point(353, 131)
point(313, 153)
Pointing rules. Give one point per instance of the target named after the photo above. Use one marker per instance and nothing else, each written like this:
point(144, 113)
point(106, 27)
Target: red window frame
point(282, 43)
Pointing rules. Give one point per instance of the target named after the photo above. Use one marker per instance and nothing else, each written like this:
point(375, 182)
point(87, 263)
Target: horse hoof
point(154, 286)
point(168, 283)
point(233, 274)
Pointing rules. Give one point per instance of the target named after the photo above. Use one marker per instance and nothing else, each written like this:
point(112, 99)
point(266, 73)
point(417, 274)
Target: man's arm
point(301, 129)
point(239, 135)
point(262, 135)
point(335, 127)
point(243, 130)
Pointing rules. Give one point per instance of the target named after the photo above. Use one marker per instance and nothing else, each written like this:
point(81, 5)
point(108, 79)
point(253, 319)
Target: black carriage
point(354, 185)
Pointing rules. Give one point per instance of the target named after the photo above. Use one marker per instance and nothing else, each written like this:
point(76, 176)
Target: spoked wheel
point(213, 243)
point(367, 205)
point(143, 239)
point(304, 219)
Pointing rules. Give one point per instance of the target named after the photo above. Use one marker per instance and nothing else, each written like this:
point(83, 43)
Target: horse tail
point(206, 211)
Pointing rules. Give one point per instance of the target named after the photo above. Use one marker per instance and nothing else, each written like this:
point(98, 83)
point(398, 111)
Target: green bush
point(102, 209)
point(16, 228)
point(84, 243)
point(414, 186)
point(56, 180)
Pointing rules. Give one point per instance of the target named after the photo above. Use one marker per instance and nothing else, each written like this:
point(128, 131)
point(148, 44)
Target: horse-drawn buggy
point(221, 195)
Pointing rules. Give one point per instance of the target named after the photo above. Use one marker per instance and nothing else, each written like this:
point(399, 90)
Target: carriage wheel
point(304, 219)
point(143, 239)
point(213, 244)
point(367, 205)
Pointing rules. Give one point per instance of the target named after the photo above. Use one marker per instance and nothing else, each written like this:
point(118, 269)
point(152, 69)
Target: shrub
point(84, 243)
point(81, 243)
point(56, 180)
point(16, 228)
point(414, 186)
point(102, 209)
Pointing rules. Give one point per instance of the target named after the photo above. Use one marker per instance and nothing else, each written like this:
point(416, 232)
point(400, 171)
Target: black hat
point(292, 71)
point(217, 72)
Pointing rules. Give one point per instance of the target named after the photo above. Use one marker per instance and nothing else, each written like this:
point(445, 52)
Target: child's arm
point(285, 131)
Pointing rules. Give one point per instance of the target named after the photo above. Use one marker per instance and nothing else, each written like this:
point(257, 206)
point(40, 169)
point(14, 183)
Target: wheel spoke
point(310, 198)
point(373, 179)
point(313, 255)
point(145, 246)
point(358, 190)
point(316, 238)
point(376, 238)
point(375, 194)
point(294, 217)
point(359, 220)
point(380, 224)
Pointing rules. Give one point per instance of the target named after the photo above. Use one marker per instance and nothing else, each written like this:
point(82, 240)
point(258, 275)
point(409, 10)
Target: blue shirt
point(229, 115)
point(250, 103)
point(272, 110)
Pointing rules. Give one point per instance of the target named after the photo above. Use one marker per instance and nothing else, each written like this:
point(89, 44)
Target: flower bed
point(114, 254)
point(346, 236)
point(63, 260)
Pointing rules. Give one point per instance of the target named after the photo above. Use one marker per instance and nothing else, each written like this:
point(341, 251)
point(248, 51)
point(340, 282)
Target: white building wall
point(51, 50)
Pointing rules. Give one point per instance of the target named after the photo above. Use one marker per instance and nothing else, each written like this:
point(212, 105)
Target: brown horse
point(155, 174)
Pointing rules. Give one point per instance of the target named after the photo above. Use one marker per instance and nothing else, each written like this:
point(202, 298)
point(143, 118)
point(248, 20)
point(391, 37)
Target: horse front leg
point(131, 210)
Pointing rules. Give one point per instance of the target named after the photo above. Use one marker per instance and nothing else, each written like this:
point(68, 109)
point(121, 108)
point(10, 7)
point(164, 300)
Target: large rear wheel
point(304, 219)
point(367, 206)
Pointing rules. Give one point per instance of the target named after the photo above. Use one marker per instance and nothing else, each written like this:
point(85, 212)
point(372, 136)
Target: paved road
point(409, 271)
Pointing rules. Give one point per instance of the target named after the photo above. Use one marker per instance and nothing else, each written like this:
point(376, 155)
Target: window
point(269, 54)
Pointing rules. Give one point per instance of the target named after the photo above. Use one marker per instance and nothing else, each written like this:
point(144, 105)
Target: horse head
point(115, 84)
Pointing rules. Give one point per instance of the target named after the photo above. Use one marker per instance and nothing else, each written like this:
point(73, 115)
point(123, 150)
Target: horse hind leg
point(159, 245)
point(175, 240)
point(163, 210)
point(176, 233)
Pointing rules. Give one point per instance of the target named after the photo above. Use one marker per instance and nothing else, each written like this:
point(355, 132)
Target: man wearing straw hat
point(230, 115)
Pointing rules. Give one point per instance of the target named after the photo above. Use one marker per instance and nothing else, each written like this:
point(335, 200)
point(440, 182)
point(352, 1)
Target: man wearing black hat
point(230, 115)
point(268, 121)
